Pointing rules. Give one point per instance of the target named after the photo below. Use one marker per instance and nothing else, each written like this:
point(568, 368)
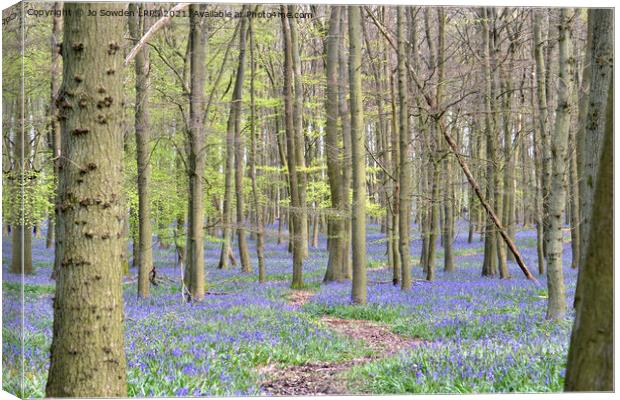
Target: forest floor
point(461, 333)
point(325, 378)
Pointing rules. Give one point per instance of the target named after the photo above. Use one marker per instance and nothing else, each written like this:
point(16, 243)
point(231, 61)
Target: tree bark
point(590, 365)
point(244, 253)
point(54, 135)
point(138, 25)
point(295, 214)
point(358, 140)
point(556, 305)
point(336, 223)
point(195, 249)
point(256, 204)
point(87, 352)
point(404, 175)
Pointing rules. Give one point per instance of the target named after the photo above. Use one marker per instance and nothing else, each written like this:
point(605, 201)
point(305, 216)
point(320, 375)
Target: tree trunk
point(258, 209)
point(590, 365)
point(489, 267)
point(244, 253)
point(295, 225)
point(358, 140)
point(556, 306)
point(195, 248)
point(54, 135)
point(404, 175)
point(87, 353)
point(601, 23)
point(345, 119)
point(299, 134)
point(138, 26)
point(336, 223)
point(545, 139)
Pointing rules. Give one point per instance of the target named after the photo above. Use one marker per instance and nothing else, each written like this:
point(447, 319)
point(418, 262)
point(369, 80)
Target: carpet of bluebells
point(480, 334)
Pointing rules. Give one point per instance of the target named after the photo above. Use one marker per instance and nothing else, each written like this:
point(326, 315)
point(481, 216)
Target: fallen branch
point(156, 26)
point(488, 208)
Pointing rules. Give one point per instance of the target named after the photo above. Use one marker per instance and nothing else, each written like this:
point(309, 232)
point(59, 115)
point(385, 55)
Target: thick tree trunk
point(590, 365)
point(601, 23)
point(87, 352)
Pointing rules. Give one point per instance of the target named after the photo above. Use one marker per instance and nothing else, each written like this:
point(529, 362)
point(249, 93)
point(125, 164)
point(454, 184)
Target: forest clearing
point(267, 200)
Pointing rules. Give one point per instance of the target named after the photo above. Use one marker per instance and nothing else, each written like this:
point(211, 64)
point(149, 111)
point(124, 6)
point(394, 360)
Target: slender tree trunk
point(87, 353)
point(295, 215)
point(138, 26)
point(21, 243)
point(358, 139)
point(195, 249)
point(244, 253)
point(396, 272)
point(489, 267)
point(345, 119)
point(556, 306)
point(336, 223)
point(405, 156)
point(54, 135)
point(258, 211)
point(299, 135)
point(545, 142)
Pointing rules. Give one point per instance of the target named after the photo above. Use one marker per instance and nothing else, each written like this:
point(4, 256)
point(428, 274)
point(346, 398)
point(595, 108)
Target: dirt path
point(323, 378)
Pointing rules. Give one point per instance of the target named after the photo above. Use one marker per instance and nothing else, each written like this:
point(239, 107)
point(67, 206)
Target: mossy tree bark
point(87, 352)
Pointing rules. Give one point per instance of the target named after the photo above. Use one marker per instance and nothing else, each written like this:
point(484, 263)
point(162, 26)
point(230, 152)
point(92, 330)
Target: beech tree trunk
point(358, 140)
point(556, 306)
point(195, 228)
point(138, 26)
point(297, 240)
point(336, 223)
point(590, 365)
point(244, 253)
point(87, 353)
point(404, 175)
